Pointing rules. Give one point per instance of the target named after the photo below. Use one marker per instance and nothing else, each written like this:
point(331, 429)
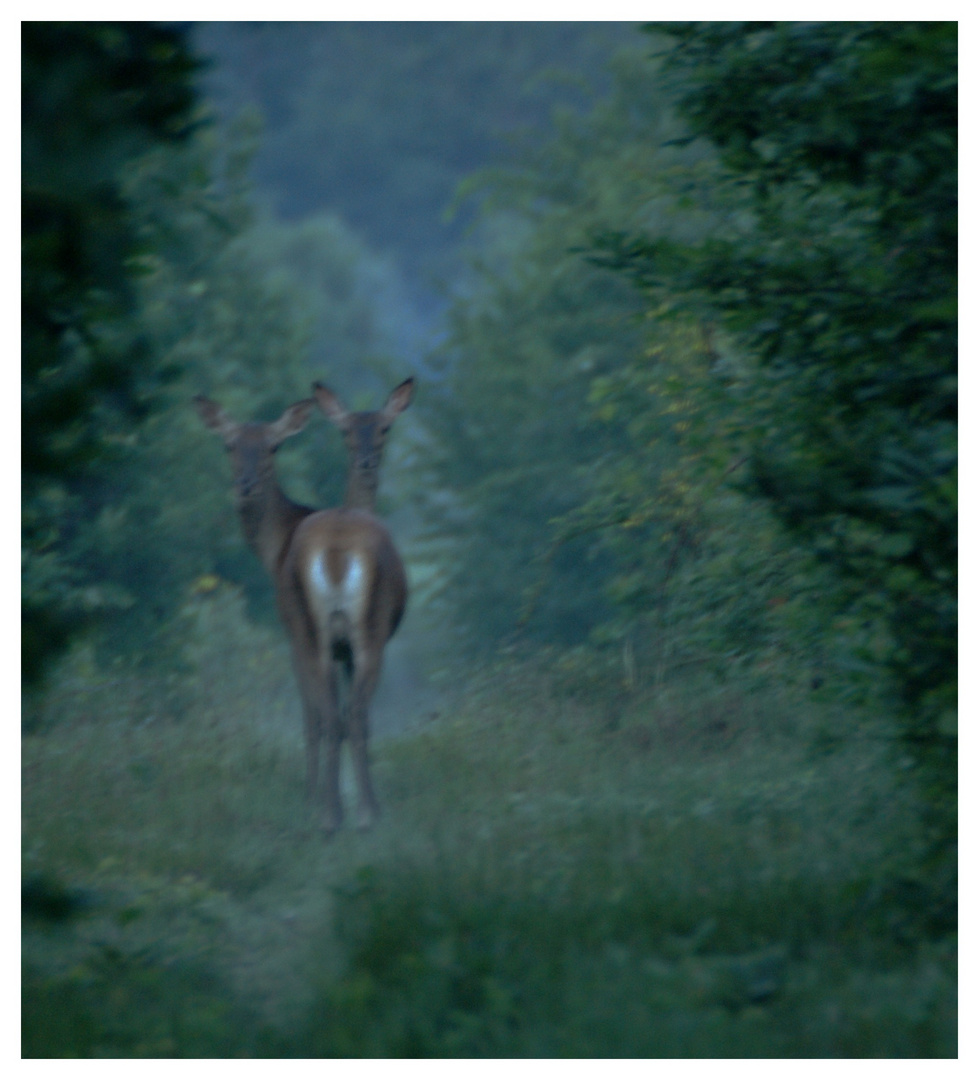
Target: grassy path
point(702, 871)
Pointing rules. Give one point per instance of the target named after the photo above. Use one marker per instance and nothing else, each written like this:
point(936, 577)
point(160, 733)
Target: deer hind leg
point(312, 732)
point(299, 631)
point(367, 670)
point(320, 722)
point(320, 710)
point(333, 733)
point(312, 722)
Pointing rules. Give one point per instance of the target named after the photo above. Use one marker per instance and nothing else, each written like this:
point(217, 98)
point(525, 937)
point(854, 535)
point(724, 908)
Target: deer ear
point(330, 404)
point(215, 417)
point(294, 419)
point(399, 399)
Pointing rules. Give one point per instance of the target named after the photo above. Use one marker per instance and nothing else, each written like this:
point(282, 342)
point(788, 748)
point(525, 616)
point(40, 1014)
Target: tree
point(515, 445)
point(95, 95)
point(834, 271)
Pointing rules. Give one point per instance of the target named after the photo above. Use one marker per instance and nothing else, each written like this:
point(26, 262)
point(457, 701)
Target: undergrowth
point(687, 869)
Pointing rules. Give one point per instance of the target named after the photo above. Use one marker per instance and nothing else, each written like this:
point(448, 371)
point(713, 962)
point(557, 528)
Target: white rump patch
point(347, 595)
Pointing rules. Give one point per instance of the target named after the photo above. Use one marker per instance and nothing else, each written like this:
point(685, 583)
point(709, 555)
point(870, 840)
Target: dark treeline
point(94, 97)
point(682, 304)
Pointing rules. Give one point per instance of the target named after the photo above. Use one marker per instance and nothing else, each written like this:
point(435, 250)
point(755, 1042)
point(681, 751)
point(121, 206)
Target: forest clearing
point(659, 571)
point(690, 869)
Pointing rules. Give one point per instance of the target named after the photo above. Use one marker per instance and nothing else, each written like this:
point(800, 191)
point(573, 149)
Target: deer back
point(343, 569)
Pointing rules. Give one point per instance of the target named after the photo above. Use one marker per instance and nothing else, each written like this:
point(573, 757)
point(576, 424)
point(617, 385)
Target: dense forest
point(666, 744)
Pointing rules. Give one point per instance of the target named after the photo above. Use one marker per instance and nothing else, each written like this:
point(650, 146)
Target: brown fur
point(288, 537)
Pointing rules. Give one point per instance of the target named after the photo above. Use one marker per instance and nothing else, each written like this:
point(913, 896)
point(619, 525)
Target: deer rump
point(349, 584)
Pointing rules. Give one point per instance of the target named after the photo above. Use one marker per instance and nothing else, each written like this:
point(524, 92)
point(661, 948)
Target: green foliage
point(471, 973)
point(834, 270)
point(413, 108)
point(95, 95)
point(601, 503)
point(125, 1005)
point(535, 325)
point(512, 446)
point(700, 573)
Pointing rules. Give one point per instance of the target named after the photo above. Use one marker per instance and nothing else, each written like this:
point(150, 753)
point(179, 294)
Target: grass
point(689, 870)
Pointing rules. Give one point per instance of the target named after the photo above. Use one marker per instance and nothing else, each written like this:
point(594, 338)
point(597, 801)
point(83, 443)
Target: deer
point(364, 434)
point(340, 588)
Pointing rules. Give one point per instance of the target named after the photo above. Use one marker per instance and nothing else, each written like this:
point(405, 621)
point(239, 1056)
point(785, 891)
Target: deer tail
point(330, 606)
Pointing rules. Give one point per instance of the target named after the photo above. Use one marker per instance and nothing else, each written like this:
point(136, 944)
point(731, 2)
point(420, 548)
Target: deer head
point(364, 434)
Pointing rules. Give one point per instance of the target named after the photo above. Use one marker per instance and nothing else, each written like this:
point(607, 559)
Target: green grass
point(687, 870)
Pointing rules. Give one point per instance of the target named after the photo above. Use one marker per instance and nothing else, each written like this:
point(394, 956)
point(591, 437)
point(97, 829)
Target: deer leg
point(333, 732)
point(303, 666)
point(366, 674)
point(311, 724)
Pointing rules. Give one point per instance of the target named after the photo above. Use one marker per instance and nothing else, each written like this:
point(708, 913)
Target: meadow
point(566, 866)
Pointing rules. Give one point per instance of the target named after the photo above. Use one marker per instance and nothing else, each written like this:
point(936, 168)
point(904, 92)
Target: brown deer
point(341, 591)
point(364, 434)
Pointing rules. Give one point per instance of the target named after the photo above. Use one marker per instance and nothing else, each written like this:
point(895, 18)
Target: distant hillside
point(381, 121)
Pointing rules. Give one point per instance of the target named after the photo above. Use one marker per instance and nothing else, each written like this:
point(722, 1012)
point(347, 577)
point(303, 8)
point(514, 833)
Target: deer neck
point(268, 520)
point(361, 490)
